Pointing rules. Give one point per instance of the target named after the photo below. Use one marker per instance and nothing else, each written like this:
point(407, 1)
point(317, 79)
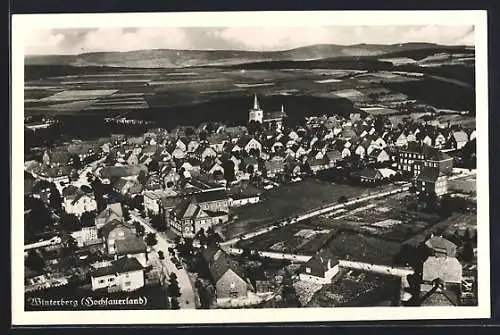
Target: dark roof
point(70, 190)
point(273, 116)
point(109, 226)
point(369, 173)
point(122, 171)
point(429, 152)
point(115, 208)
point(441, 244)
point(321, 262)
point(219, 262)
point(130, 245)
point(333, 155)
point(121, 265)
point(61, 157)
point(211, 196)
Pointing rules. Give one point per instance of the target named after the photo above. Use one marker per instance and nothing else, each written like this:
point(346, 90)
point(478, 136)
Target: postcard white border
point(23, 23)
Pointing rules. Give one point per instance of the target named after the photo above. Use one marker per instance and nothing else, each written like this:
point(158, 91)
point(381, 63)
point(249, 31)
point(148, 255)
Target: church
point(270, 120)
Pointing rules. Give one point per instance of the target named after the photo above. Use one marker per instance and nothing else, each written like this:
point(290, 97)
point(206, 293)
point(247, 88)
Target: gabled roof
point(369, 173)
point(441, 244)
point(219, 262)
point(109, 226)
point(321, 263)
point(130, 245)
point(121, 265)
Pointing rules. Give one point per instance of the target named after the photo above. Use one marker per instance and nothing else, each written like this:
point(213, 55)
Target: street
point(187, 299)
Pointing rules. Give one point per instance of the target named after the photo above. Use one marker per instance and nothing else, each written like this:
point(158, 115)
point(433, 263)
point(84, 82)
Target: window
point(111, 279)
point(101, 281)
point(128, 283)
point(308, 270)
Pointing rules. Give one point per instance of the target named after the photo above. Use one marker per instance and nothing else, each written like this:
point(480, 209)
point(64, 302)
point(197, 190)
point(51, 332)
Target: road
point(362, 266)
point(187, 299)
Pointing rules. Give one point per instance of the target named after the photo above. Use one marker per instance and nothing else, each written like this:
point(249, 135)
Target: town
point(335, 211)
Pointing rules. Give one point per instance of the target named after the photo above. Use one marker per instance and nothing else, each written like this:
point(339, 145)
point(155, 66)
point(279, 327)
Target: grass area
point(288, 201)
point(357, 247)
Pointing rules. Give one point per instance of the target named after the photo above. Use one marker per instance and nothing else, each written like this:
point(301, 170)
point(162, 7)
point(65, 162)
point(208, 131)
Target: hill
point(169, 58)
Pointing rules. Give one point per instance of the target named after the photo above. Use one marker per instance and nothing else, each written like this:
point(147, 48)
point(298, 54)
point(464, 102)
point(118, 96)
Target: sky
point(76, 41)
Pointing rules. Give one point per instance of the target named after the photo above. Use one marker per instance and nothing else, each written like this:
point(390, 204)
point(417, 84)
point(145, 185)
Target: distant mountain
point(168, 58)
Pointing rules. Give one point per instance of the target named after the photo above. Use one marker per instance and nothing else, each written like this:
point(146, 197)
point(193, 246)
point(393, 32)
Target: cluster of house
point(441, 282)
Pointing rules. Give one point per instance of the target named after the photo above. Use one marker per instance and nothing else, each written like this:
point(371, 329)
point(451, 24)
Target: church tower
point(255, 113)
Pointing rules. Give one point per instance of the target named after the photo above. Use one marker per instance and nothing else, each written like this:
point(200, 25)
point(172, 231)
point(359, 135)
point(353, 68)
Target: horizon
point(78, 41)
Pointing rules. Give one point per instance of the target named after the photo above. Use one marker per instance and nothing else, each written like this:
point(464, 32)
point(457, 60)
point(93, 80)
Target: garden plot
point(349, 94)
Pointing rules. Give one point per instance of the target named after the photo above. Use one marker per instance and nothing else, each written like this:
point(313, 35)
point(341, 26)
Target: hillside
point(168, 58)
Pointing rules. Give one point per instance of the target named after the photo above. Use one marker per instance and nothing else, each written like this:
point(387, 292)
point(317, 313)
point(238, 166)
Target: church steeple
point(282, 109)
point(255, 102)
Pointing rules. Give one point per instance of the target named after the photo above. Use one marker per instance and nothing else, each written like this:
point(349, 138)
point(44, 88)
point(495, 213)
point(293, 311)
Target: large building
point(271, 120)
point(414, 157)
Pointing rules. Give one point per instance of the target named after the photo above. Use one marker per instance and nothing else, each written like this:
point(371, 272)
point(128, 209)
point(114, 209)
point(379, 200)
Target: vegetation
point(150, 239)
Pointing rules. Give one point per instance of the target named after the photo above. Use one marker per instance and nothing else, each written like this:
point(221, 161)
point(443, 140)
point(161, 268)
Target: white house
point(124, 274)
point(85, 235)
point(79, 204)
point(320, 269)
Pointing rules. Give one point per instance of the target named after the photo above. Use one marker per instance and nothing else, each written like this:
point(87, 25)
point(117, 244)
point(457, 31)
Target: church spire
point(282, 109)
point(255, 102)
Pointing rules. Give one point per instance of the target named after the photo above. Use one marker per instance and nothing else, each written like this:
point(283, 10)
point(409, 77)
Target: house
point(113, 231)
point(132, 246)
point(321, 268)
point(181, 144)
point(274, 167)
point(192, 146)
point(459, 139)
point(187, 218)
point(85, 236)
point(379, 156)
point(216, 167)
point(387, 173)
point(369, 175)
point(439, 140)
point(243, 195)
point(215, 201)
point(360, 151)
point(346, 152)
point(207, 152)
point(401, 140)
point(250, 164)
point(127, 187)
point(414, 157)
point(110, 213)
point(79, 203)
point(318, 164)
point(226, 275)
point(124, 274)
point(152, 200)
point(431, 180)
point(125, 171)
point(217, 141)
point(247, 143)
point(441, 247)
point(178, 153)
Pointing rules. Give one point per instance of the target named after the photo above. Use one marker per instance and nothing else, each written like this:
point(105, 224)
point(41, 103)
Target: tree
point(34, 261)
point(157, 222)
point(174, 303)
point(161, 255)
point(342, 199)
point(228, 166)
point(151, 239)
point(153, 165)
point(201, 236)
point(173, 289)
point(87, 219)
point(288, 292)
point(69, 246)
point(142, 178)
point(76, 162)
point(126, 213)
point(55, 199)
point(139, 229)
point(468, 252)
point(70, 223)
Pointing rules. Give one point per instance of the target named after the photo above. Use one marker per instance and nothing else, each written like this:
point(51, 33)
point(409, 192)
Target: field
point(290, 200)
